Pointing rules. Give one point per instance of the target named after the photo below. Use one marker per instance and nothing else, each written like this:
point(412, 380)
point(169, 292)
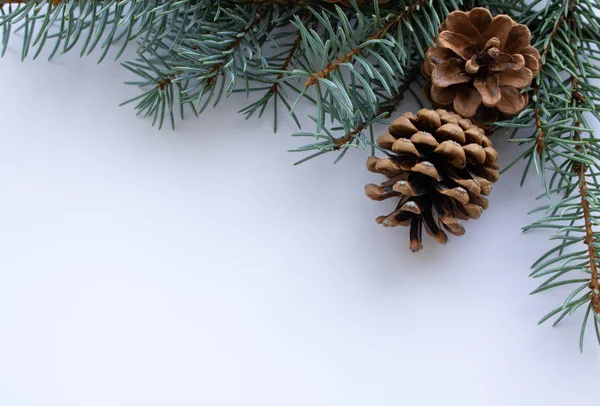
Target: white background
point(199, 267)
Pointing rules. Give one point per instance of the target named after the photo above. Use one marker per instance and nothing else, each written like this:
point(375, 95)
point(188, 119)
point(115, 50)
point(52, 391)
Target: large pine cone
point(479, 59)
point(439, 165)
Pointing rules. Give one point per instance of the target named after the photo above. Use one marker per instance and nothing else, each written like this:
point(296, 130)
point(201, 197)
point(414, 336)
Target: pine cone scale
point(506, 62)
point(424, 138)
point(489, 89)
point(480, 18)
point(458, 43)
point(452, 131)
point(461, 24)
point(448, 74)
point(532, 63)
point(519, 38)
point(515, 78)
point(466, 101)
point(500, 28)
point(402, 126)
point(512, 101)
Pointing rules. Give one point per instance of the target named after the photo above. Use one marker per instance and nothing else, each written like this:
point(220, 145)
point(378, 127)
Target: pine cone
point(479, 59)
point(440, 164)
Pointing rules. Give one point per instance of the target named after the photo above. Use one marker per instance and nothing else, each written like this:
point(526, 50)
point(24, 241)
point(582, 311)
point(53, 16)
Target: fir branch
point(192, 63)
point(384, 112)
point(355, 133)
point(278, 66)
point(261, 12)
point(358, 49)
point(359, 61)
point(195, 51)
point(565, 152)
point(92, 23)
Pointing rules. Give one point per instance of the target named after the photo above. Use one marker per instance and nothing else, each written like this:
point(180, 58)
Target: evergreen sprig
point(92, 23)
point(565, 151)
point(359, 66)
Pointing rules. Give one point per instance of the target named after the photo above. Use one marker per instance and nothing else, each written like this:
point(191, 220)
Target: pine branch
point(92, 23)
point(358, 49)
point(273, 78)
point(356, 62)
point(191, 64)
point(384, 112)
point(195, 51)
point(355, 135)
point(588, 219)
point(565, 152)
point(261, 12)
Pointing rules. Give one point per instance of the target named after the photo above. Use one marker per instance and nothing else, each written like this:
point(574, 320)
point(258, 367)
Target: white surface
point(199, 267)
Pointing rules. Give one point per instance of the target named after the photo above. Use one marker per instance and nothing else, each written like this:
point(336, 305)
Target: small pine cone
point(480, 64)
point(440, 165)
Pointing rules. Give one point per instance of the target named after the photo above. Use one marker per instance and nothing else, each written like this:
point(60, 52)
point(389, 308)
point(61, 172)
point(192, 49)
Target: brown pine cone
point(480, 64)
point(439, 165)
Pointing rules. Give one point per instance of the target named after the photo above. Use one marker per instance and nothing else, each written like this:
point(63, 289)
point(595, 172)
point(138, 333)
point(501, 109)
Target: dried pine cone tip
point(480, 64)
point(439, 165)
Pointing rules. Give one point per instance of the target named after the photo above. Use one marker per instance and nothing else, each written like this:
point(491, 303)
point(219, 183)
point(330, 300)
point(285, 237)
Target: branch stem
point(286, 62)
point(589, 239)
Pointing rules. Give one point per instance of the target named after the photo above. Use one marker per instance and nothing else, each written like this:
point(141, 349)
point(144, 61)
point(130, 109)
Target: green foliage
point(196, 52)
point(565, 151)
point(358, 67)
point(92, 23)
point(355, 64)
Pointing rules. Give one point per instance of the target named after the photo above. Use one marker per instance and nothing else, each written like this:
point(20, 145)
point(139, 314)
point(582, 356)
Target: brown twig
point(286, 63)
point(589, 239)
point(358, 50)
point(539, 139)
point(164, 83)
